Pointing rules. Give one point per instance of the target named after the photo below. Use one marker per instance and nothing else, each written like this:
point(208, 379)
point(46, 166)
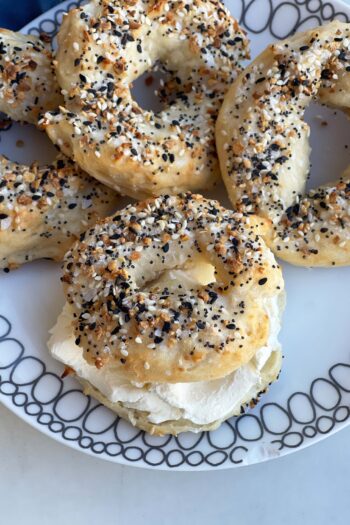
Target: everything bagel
point(103, 47)
point(125, 315)
point(28, 85)
point(43, 210)
point(316, 230)
point(171, 408)
point(263, 147)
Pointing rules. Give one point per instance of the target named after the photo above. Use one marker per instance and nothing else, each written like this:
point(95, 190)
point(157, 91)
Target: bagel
point(43, 210)
point(172, 315)
point(316, 230)
point(165, 408)
point(203, 332)
point(28, 85)
point(103, 47)
point(263, 147)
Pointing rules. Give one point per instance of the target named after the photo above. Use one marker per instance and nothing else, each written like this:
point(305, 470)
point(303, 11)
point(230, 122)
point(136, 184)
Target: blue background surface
point(14, 14)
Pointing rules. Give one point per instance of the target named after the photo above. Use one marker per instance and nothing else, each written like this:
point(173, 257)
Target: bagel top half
point(126, 316)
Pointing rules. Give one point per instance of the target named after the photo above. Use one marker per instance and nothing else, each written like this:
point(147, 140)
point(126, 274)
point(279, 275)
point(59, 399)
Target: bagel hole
point(24, 143)
point(146, 90)
point(330, 144)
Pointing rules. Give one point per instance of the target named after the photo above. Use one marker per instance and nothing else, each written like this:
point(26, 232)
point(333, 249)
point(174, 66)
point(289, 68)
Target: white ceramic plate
point(311, 399)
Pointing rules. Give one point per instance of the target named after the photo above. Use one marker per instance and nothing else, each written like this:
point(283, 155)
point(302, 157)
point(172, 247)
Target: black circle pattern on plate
point(63, 409)
point(299, 14)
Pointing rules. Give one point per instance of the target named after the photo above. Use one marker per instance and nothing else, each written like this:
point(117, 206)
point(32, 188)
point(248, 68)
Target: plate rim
point(50, 15)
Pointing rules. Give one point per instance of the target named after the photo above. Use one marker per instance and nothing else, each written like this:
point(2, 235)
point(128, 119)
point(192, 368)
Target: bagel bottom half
point(268, 374)
point(163, 408)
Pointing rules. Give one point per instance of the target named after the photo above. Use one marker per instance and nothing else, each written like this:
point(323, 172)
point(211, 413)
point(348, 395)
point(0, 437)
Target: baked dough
point(263, 147)
point(316, 230)
point(126, 316)
point(103, 48)
point(172, 408)
point(28, 84)
point(43, 210)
